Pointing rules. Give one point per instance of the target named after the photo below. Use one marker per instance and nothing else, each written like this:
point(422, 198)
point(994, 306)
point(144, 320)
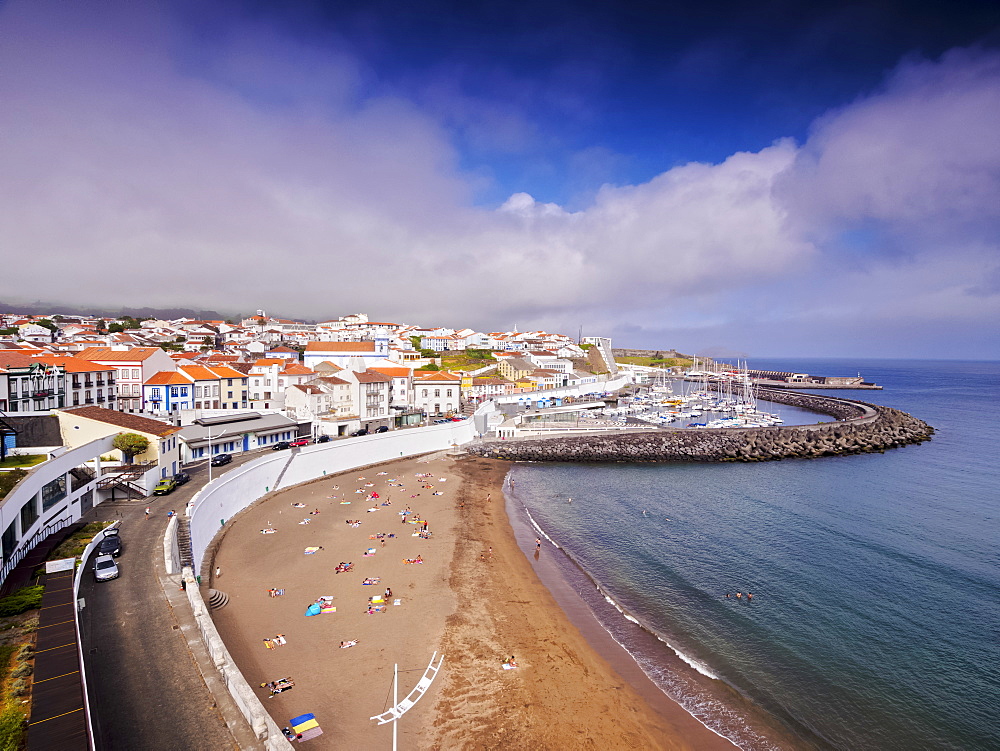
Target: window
point(449, 392)
point(184, 391)
point(437, 392)
point(173, 391)
point(197, 391)
point(135, 373)
point(53, 492)
point(229, 381)
point(124, 373)
point(10, 540)
point(425, 393)
point(29, 513)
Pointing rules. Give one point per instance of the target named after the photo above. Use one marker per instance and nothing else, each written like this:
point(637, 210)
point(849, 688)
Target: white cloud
point(131, 180)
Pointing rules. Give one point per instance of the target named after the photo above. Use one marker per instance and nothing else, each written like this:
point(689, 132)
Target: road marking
point(70, 644)
point(54, 677)
point(39, 722)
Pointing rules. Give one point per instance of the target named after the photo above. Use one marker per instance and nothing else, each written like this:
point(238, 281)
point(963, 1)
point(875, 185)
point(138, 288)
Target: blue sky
point(767, 179)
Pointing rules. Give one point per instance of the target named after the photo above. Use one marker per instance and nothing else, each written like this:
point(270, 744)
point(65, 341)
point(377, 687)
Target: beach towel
point(303, 722)
point(508, 666)
point(345, 503)
point(311, 551)
point(397, 601)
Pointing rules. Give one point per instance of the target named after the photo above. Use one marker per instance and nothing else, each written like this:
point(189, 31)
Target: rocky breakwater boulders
point(861, 428)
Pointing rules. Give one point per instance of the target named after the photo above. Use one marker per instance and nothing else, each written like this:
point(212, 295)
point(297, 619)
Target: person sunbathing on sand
point(346, 644)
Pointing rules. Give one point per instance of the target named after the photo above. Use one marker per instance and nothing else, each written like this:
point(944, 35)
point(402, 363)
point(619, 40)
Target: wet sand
point(474, 606)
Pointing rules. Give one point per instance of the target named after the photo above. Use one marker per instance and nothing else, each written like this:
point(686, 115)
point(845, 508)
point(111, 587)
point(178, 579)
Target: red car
point(299, 442)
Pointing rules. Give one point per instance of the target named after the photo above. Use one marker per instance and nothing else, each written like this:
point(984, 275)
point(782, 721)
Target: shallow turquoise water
point(874, 623)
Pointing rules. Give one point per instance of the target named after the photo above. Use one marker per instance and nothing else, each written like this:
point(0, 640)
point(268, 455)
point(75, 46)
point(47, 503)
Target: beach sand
point(474, 606)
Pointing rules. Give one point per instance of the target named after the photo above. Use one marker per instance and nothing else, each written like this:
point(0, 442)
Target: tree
point(115, 328)
point(102, 325)
point(46, 323)
point(130, 444)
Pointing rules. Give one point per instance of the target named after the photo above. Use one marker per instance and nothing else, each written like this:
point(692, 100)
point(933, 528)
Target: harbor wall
point(859, 428)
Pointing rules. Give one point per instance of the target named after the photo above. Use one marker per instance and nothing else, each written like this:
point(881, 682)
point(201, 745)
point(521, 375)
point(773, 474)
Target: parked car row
point(170, 484)
point(105, 566)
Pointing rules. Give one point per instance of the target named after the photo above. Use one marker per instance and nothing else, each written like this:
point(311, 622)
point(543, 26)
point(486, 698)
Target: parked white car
point(105, 568)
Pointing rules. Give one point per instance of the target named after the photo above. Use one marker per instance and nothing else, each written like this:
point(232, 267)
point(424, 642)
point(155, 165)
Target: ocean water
point(875, 621)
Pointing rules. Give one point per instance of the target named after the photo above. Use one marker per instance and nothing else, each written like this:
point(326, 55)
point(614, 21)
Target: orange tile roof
point(224, 371)
point(296, 369)
point(167, 378)
point(395, 372)
point(106, 353)
point(269, 361)
point(199, 372)
point(340, 346)
point(74, 364)
point(124, 420)
point(436, 375)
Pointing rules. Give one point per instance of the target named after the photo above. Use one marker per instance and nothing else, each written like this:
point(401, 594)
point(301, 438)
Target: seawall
point(860, 428)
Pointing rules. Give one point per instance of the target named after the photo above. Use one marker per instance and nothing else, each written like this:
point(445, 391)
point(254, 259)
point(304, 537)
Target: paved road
point(145, 687)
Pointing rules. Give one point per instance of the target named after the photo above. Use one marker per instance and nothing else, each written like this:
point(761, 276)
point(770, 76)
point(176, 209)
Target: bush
point(19, 687)
point(24, 653)
point(22, 671)
point(9, 479)
point(27, 598)
point(12, 726)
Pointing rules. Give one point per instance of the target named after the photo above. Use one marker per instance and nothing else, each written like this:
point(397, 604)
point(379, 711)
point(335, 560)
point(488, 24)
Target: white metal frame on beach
point(400, 708)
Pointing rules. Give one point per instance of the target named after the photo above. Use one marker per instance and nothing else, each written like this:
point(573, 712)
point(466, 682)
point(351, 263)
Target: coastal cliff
point(860, 428)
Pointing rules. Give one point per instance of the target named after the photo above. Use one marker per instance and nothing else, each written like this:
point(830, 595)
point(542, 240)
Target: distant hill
point(46, 308)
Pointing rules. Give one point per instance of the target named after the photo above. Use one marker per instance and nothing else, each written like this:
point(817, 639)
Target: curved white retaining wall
point(613, 384)
point(236, 489)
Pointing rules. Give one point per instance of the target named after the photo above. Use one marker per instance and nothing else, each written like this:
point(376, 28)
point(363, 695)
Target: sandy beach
point(475, 598)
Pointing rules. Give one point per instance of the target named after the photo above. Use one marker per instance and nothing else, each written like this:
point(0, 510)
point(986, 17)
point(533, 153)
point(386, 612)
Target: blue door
point(246, 441)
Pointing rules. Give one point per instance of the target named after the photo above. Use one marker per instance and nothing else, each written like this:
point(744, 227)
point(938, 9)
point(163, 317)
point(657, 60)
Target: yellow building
point(81, 425)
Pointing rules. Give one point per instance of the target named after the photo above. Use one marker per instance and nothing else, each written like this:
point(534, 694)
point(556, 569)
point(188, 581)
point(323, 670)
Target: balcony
point(88, 401)
point(88, 384)
point(43, 394)
point(100, 400)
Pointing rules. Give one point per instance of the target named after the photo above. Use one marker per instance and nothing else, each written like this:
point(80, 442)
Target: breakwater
point(860, 428)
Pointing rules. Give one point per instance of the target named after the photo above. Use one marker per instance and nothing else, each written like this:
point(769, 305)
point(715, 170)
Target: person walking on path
point(147, 512)
point(538, 543)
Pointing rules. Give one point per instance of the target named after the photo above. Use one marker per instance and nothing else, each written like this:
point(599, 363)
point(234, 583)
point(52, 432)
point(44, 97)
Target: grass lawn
point(74, 545)
point(28, 460)
point(669, 362)
point(466, 360)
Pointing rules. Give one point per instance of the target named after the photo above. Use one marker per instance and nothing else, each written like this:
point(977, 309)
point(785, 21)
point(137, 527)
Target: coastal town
point(341, 376)
point(223, 431)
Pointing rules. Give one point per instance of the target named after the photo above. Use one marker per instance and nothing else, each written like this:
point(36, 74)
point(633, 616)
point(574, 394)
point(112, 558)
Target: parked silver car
point(105, 568)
